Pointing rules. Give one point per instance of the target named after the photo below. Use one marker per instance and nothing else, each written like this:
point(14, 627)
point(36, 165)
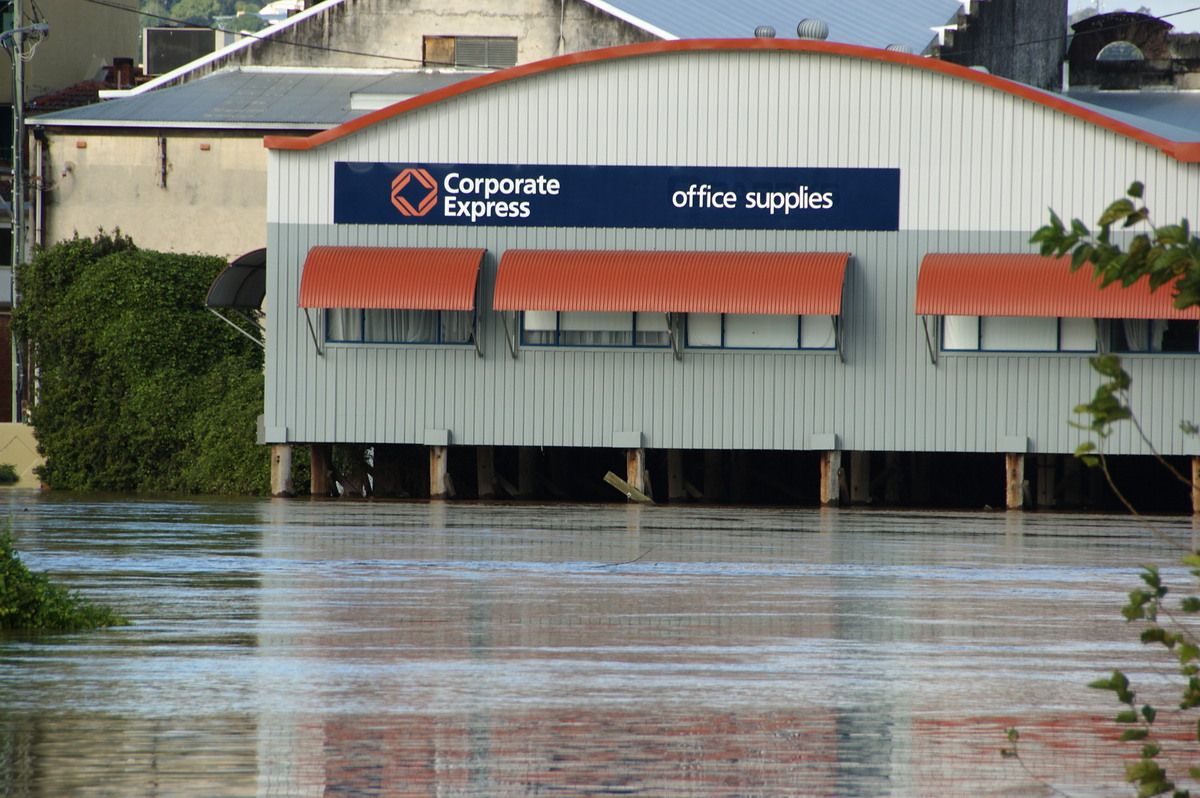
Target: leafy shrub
point(8, 474)
point(140, 387)
point(29, 600)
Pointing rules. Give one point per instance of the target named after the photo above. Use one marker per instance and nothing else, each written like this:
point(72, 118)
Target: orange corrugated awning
point(1030, 285)
point(390, 277)
point(782, 283)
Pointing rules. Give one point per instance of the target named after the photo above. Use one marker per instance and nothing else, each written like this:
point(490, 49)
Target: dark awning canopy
point(242, 284)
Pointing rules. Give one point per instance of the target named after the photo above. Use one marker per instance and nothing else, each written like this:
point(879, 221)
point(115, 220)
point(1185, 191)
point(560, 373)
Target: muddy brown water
point(298, 648)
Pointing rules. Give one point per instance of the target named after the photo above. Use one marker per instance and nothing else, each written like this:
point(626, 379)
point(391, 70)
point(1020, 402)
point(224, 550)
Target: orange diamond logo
point(424, 180)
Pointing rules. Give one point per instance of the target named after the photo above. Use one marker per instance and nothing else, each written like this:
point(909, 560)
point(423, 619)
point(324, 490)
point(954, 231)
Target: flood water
point(300, 648)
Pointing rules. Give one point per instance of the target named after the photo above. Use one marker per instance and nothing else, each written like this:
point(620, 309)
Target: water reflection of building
point(491, 661)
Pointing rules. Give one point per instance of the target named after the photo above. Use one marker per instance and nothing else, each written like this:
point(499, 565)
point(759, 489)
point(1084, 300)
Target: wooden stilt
point(319, 457)
point(860, 477)
point(526, 472)
point(676, 490)
point(635, 468)
point(631, 493)
point(831, 467)
point(485, 471)
point(439, 486)
point(281, 470)
point(1014, 480)
point(1195, 485)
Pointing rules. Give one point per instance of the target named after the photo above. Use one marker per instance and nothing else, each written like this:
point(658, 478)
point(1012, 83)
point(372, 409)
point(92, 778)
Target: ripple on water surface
point(324, 648)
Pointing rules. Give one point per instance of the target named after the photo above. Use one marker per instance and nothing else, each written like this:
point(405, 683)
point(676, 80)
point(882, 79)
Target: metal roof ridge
point(246, 41)
point(43, 120)
point(1187, 150)
point(636, 21)
point(264, 69)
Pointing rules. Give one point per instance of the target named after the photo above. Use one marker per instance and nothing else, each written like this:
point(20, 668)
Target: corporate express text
point(503, 197)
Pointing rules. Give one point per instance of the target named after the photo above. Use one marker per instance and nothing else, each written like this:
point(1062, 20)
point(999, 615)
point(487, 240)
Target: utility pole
point(13, 41)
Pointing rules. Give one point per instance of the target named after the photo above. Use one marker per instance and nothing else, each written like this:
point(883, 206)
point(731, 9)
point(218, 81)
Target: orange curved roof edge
point(1186, 151)
point(395, 278)
point(1030, 285)
point(777, 283)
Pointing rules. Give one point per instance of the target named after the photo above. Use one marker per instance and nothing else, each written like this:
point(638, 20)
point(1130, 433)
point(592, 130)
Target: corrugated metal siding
point(965, 284)
point(671, 282)
point(421, 278)
point(978, 169)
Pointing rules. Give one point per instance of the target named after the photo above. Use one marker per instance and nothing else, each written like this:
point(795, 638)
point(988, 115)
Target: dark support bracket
point(510, 335)
point(313, 332)
point(929, 341)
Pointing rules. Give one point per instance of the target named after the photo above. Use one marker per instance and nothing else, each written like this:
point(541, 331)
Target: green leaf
point(1135, 189)
point(1139, 215)
point(1083, 254)
point(1116, 211)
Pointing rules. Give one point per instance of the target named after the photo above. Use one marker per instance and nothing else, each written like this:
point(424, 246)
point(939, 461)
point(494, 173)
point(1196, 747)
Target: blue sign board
point(712, 198)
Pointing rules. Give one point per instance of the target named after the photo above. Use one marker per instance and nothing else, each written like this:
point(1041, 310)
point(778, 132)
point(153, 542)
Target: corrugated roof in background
point(1161, 112)
point(257, 97)
point(1030, 285)
point(864, 22)
point(784, 283)
point(405, 278)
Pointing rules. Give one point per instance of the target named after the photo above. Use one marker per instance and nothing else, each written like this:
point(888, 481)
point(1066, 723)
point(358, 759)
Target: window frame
point(834, 321)
point(470, 316)
point(557, 332)
point(979, 337)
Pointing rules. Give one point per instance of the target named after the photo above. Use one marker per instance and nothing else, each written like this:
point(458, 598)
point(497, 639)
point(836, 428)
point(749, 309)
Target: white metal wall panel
point(978, 167)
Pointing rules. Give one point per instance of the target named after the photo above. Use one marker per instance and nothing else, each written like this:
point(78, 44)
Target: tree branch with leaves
point(1167, 256)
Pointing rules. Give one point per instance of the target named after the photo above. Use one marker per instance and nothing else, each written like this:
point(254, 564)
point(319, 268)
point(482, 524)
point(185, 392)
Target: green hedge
point(139, 386)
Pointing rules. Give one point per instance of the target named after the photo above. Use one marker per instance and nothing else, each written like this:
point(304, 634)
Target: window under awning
point(783, 283)
point(1030, 285)
point(394, 278)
